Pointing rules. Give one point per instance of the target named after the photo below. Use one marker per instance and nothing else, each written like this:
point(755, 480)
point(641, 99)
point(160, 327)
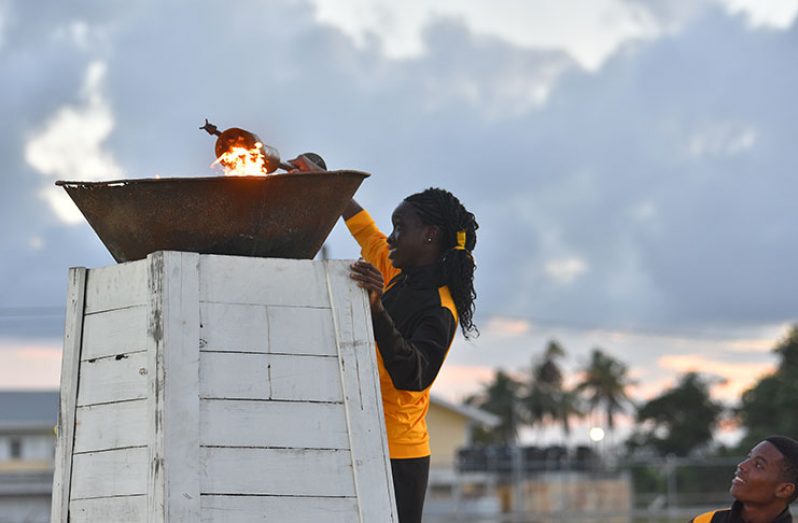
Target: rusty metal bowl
point(279, 216)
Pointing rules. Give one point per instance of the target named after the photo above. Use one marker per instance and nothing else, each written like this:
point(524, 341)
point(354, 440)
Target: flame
point(240, 161)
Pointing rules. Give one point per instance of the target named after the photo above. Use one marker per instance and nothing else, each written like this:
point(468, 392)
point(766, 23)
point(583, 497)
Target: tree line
point(679, 421)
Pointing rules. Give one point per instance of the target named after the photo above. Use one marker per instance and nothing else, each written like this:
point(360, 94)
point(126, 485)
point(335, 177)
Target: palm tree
point(500, 397)
point(604, 384)
point(547, 400)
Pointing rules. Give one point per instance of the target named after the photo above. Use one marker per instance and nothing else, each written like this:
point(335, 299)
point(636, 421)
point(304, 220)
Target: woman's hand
point(307, 162)
point(368, 277)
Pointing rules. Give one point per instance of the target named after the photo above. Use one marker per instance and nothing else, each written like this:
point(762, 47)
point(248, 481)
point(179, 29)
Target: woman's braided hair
point(441, 208)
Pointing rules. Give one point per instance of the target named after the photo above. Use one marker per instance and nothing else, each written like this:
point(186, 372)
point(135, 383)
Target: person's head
point(431, 227)
point(769, 475)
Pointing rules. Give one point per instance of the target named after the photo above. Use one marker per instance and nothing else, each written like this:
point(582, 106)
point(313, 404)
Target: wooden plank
point(269, 376)
point(114, 332)
point(174, 399)
point(356, 349)
point(234, 327)
point(304, 378)
point(121, 509)
point(253, 509)
point(113, 379)
point(112, 426)
point(120, 472)
point(280, 472)
point(273, 424)
point(262, 281)
point(117, 287)
point(301, 330)
point(70, 365)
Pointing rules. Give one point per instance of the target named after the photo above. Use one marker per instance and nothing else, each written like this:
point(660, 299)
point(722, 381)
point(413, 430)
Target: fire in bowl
point(279, 216)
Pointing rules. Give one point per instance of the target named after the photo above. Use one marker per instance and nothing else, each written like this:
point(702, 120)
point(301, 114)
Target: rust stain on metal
point(281, 216)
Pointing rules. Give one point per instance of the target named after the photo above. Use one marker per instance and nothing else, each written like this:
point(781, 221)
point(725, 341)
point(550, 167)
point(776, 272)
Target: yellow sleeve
point(373, 244)
point(704, 518)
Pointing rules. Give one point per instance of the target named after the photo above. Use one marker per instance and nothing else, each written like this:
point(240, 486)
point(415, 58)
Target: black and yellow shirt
point(413, 337)
point(734, 515)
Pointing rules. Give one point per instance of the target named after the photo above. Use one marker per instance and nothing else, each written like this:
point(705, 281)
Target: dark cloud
point(668, 171)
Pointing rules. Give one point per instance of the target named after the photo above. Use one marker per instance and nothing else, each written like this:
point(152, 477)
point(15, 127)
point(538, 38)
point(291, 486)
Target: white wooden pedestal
point(220, 389)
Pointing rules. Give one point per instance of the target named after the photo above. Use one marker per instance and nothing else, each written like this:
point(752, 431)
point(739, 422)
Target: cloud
point(565, 270)
point(460, 381)
point(588, 31)
point(778, 14)
point(3, 15)
point(737, 376)
point(722, 139)
point(559, 160)
point(29, 365)
point(70, 145)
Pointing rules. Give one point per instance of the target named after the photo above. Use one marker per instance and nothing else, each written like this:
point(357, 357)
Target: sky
point(631, 163)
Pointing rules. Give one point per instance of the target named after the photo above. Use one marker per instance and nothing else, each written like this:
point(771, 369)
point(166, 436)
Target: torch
point(242, 152)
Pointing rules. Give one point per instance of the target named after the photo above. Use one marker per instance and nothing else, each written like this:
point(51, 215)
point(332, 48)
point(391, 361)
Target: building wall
point(32, 447)
point(26, 482)
point(448, 432)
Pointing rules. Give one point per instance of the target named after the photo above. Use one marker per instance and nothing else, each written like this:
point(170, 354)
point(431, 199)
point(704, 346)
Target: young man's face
point(758, 479)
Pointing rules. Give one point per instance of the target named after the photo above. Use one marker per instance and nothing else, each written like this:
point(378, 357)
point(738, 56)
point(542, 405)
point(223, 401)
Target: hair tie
point(461, 241)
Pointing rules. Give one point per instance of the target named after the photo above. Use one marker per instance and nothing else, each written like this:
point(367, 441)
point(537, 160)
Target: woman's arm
point(413, 363)
point(303, 163)
point(351, 209)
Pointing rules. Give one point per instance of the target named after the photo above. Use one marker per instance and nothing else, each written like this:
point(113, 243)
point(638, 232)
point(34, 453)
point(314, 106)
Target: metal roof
point(474, 414)
point(28, 408)
point(31, 408)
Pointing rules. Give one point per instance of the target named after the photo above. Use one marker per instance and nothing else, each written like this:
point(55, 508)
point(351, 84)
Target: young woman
point(420, 282)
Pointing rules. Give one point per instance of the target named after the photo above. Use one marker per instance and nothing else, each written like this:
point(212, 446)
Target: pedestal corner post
point(173, 354)
point(65, 430)
point(361, 384)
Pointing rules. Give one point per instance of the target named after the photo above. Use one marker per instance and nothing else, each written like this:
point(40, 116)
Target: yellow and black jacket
point(733, 515)
point(413, 338)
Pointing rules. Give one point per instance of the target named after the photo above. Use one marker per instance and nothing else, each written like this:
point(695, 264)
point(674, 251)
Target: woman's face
point(411, 243)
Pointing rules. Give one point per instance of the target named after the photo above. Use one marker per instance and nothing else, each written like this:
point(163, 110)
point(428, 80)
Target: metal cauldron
point(281, 216)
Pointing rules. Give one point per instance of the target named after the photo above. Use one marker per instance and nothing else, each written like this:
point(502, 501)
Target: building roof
point(28, 408)
point(474, 414)
point(40, 408)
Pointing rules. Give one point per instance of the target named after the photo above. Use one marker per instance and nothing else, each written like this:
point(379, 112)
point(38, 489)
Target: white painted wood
point(269, 376)
point(70, 364)
point(369, 446)
point(174, 399)
point(120, 472)
point(121, 509)
point(234, 327)
point(262, 281)
point(114, 332)
point(273, 424)
point(288, 342)
point(308, 378)
point(280, 472)
point(112, 426)
point(113, 379)
point(116, 287)
point(301, 330)
point(269, 509)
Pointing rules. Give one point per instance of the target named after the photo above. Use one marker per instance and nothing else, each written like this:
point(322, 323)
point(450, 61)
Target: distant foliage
point(546, 399)
point(604, 385)
point(678, 421)
point(770, 406)
point(502, 398)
